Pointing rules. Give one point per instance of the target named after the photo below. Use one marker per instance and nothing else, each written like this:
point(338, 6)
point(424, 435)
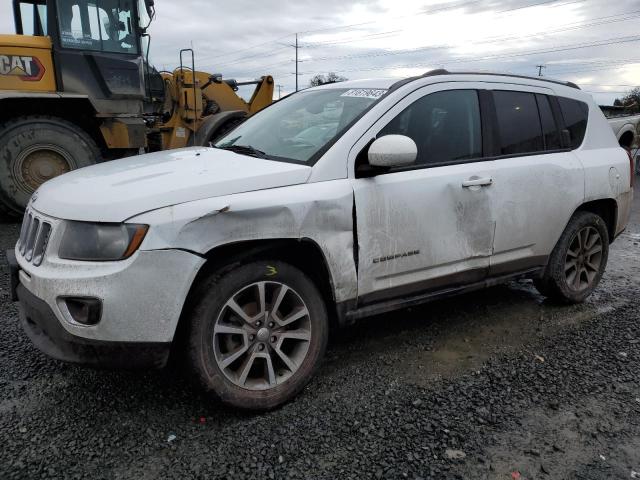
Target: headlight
point(101, 241)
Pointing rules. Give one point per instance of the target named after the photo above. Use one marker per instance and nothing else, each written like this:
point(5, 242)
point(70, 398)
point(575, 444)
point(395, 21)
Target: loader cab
point(97, 49)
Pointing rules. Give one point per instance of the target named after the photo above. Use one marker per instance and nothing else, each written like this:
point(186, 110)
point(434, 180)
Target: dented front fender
point(321, 212)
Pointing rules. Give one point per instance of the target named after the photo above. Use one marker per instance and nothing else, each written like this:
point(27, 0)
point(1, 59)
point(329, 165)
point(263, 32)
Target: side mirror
point(392, 151)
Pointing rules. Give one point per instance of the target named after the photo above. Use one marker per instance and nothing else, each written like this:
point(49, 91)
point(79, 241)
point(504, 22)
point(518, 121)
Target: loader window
point(32, 18)
point(106, 25)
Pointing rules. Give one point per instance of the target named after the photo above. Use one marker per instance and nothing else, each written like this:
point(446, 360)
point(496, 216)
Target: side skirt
point(351, 315)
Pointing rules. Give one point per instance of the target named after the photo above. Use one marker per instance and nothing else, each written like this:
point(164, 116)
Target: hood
point(116, 190)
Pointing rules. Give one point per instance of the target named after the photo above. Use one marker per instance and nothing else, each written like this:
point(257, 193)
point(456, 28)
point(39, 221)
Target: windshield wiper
point(245, 149)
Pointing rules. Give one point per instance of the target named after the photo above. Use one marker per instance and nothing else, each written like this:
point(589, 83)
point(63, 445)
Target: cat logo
point(28, 69)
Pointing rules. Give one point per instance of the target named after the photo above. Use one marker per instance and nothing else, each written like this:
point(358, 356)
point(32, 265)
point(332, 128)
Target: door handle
point(477, 182)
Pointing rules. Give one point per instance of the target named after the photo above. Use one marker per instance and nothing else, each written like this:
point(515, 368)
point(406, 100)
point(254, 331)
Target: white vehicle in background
point(626, 130)
point(626, 127)
point(333, 204)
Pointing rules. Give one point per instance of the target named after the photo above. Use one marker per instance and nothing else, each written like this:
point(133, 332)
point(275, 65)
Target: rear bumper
point(46, 333)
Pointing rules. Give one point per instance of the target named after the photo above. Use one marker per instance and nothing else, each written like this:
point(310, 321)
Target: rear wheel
point(35, 149)
point(258, 334)
point(578, 261)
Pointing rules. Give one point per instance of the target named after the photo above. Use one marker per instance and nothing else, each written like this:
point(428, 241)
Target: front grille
point(34, 236)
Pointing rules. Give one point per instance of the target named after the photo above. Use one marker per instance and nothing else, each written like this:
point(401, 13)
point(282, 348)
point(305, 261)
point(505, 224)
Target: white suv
point(332, 204)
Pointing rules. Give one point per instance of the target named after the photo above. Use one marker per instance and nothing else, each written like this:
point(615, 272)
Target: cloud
point(366, 38)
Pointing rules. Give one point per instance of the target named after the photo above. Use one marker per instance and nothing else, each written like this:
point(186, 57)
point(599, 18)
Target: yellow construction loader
point(76, 89)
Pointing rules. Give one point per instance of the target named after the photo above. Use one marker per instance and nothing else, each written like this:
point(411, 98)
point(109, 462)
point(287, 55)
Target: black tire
point(213, 293)
point(559, 280)
point(224, 129)
point(34, 149)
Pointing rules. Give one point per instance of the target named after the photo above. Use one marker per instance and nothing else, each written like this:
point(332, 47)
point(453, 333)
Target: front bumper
point(14, 270)
point(141, 297)
point(48, 335)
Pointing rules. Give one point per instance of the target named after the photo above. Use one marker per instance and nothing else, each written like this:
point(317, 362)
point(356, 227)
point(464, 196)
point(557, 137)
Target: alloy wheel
point(262, 335)
point(584, 258)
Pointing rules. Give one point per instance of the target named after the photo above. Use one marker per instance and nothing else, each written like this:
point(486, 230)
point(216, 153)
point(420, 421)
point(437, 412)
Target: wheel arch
point(77, 110)
point(304, 254)
point(607, 209)
point(626, 138)
point(214, 123)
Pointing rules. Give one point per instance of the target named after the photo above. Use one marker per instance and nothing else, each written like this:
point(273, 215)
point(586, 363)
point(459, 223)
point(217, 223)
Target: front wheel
point(258, 334)
point(578, 260)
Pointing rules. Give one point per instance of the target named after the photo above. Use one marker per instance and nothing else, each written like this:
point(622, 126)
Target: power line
point(598, 66)
point(297, 74)
point(422, 12)
point(571, 26)
point(609, 41)
point(436, 10)
point(249, 47)
point(490, 40)
point(608, 91)
point(379, 35)
point(269, 53)
point(597, 21)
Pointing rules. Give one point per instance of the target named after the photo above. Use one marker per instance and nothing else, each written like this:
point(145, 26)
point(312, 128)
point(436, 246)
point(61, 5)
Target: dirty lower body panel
point(46, 333)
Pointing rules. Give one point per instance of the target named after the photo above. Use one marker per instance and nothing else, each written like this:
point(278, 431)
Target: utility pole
point(279, 91)
point(540, 67)
point(297, 47)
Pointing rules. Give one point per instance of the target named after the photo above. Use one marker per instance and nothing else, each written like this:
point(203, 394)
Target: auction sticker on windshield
point(364, 92)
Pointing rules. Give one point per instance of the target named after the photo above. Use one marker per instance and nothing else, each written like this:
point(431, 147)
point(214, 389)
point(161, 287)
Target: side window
point(75, 26)
point(575, 114)
point(518, 122)
point(445, 126)
point(549, 127)
point(108, 28)
point(34, 18)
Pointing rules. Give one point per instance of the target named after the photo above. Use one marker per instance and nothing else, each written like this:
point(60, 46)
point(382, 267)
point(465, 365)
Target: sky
point(594, 43)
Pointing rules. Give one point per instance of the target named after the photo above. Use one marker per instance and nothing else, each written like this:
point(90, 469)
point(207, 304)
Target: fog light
point(86, 311)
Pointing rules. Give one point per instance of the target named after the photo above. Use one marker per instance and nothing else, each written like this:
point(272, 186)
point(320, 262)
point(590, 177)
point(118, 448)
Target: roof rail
point(404, 81)
point(442, 71)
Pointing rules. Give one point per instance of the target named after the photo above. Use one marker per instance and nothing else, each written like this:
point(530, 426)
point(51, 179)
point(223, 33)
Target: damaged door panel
point(422, 229)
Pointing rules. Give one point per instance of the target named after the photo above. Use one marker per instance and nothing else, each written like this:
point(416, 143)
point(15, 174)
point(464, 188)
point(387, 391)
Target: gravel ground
point(498, 384)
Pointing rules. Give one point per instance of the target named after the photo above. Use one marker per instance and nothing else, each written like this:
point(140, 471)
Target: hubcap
point(262, 335)
point(39, 163)
point(584, 258)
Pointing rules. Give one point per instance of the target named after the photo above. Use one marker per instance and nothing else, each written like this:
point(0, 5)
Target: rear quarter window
point(575, 114)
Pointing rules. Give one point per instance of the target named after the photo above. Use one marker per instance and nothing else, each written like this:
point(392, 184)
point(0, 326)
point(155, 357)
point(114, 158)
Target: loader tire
point(224, 129)
point(34, 149)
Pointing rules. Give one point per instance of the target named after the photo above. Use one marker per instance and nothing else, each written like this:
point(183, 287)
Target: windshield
point(299, 126)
